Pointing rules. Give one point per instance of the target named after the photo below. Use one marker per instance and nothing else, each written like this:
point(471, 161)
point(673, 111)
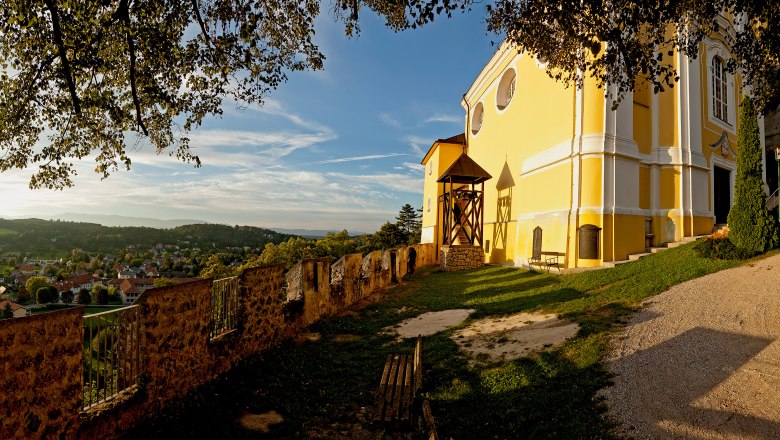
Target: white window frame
point(504, 86)
point(477, 119)
point(716, 49)
point(720, 95)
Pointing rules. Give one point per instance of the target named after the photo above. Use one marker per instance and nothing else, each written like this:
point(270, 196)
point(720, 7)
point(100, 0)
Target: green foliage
point(410, 221)
point(614, 42)
point(289, 252)
point(35, 283)
point(51, 237)
point(100, 294)
point(751, 226)
point(23, 297)
point(7, 312)
point(46, 294)
point(721, 249)
point(67, 296)
point(84, 297)
point(215, 268)
point(163, 282)
point(103, 342)
point(178, 60)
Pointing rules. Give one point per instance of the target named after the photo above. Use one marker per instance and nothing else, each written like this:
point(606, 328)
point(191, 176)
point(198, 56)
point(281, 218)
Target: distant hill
point(119, 220)
point(311, 233)
point(52, 237)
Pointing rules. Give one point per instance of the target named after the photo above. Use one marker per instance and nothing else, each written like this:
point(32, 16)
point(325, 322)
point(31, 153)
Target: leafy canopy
point(90, 77)
point(615, 41)
point(101, 78)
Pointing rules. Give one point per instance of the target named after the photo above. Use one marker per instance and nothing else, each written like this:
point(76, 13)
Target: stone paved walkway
point(702, 361)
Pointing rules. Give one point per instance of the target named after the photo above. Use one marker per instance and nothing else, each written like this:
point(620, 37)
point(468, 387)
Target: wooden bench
point(401, 379)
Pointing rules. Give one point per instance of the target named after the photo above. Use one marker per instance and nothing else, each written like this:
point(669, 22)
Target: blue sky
point(332, 149)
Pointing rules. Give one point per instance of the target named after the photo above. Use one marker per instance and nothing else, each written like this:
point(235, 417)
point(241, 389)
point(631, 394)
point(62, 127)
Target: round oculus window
point(477, 117)
point(506, 89)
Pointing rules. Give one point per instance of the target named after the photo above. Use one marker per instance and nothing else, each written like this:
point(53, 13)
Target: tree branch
point(63, 54)
point(131, 48)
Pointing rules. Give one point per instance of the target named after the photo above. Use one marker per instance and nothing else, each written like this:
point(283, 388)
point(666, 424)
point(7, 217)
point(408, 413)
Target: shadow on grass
point(546, 396)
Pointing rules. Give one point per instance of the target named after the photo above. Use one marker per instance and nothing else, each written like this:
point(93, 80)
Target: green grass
point(88, 310)
point(7, 232)
point(551, 394)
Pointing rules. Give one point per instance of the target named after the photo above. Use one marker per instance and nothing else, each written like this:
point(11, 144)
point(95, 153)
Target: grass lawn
point(551, 394)
point(88, 310)
point(7, 232)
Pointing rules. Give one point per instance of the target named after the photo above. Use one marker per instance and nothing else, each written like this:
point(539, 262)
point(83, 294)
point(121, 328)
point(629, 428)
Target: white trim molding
point(717, 48)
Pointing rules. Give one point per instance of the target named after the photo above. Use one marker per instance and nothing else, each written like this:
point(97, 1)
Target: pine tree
point(751, 226)
point(409, 220)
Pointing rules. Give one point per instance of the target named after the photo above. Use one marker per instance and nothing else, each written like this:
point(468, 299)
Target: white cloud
point(389, 120)
point(438, 117)
point(418, 144)
point(355, 158)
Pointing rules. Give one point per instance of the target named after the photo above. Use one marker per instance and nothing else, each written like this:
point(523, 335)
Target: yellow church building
point(596, 184)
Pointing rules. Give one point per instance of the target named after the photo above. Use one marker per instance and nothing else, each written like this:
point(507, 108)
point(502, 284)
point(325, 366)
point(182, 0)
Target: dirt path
point(702, 361)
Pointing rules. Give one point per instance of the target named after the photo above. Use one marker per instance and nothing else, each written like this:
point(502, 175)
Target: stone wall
point(461, 257)
point(40, 388)
point(42, 355)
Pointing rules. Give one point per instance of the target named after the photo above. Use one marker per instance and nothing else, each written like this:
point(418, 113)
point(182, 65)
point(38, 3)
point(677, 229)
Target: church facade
point(599, 183)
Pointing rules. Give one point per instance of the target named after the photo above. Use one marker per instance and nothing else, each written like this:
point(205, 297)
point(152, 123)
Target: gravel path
point(702, 361)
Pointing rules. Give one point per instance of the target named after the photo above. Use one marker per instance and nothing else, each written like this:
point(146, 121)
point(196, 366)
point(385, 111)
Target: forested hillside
point(49, 238)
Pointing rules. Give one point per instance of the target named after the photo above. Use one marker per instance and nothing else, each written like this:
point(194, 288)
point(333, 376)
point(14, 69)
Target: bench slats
point(406, 403)
point(397, 389)
point(401, 380)
point(390, 389)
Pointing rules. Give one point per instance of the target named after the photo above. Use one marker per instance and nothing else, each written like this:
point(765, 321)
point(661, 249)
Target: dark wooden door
point(722, 190)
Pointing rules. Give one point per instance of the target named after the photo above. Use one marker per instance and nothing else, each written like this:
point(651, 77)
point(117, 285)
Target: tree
point(410, 221)
point(751, 226)
point(8, 313)
point(163, 282)
point(66, 296)
point(100, 294)
point(84, 297)
point(44, 295)
point(615, 42)
point(92, 77)
point(215, 268)
point(35, 283)
point(23, 297)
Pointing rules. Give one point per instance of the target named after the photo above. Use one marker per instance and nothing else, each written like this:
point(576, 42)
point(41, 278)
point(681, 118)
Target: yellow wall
point(642, 117)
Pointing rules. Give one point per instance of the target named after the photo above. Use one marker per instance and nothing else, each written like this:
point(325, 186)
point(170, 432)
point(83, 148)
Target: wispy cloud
point(389, 120)
point(356, 158)
point(455, 119)
point(418, 144)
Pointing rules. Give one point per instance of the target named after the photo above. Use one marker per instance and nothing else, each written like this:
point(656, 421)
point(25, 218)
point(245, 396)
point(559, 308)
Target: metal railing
point(112, 353)
point(224, 306)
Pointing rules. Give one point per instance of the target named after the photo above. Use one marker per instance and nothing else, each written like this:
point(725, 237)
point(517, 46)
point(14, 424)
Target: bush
point(84, 297)
point(103, 342)
point(721, 249)
point(67, 296)
point(751, 226)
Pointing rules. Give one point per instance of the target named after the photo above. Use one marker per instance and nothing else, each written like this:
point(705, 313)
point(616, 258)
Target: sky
point(338, 148)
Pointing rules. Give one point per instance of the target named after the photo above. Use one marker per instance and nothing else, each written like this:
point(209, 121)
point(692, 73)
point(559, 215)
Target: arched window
point(720, 95)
